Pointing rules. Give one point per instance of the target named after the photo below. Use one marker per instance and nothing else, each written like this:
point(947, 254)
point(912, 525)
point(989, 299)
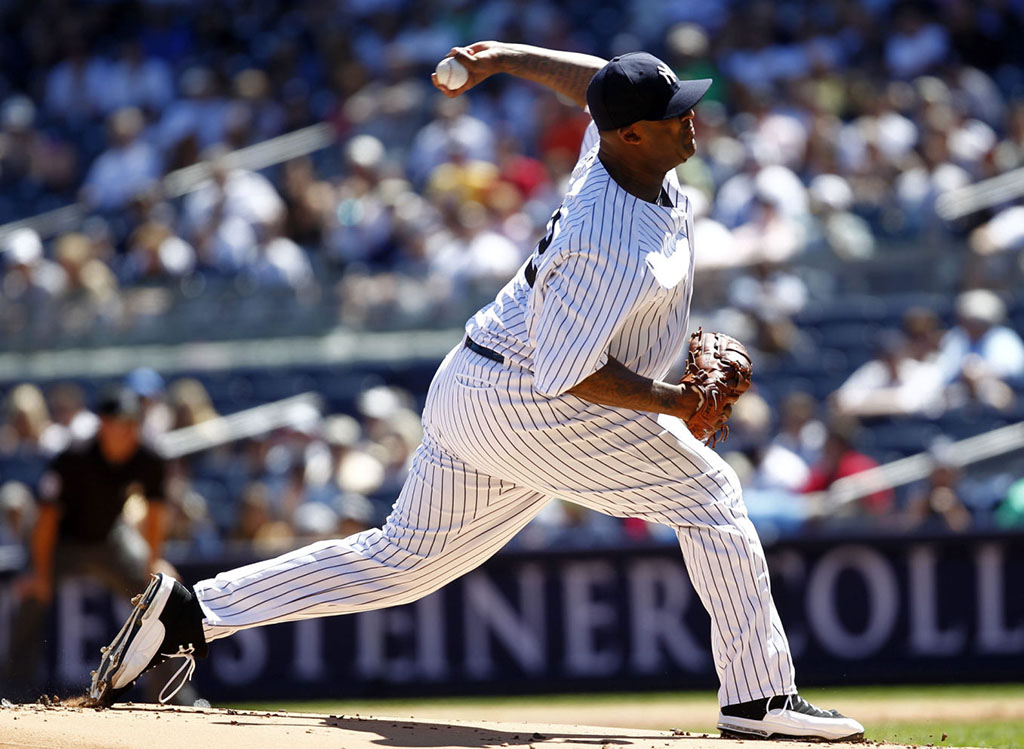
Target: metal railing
point(298, 411)
point(183, 181)
point(907, 470)
point(987, 193)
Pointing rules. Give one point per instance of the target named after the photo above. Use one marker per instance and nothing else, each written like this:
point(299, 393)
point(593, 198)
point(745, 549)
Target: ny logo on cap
point(666, 72)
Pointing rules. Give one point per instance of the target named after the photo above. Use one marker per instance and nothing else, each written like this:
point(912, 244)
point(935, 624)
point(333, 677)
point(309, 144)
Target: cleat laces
point(184, 671)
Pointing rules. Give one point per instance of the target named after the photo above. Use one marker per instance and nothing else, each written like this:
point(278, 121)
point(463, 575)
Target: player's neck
point(640, 180)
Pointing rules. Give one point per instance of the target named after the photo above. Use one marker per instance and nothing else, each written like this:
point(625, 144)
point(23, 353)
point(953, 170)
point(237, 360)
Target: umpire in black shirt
point(80, 530)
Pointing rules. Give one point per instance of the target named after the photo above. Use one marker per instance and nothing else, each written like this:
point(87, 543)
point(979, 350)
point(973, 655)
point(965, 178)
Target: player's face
point(674, 139)
point(685, 135)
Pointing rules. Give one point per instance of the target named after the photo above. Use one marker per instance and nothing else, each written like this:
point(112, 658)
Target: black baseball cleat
point(166, 622)
point(787, 716)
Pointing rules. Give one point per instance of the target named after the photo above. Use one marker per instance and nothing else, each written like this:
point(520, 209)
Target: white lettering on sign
point(660, 595)
point(79, 632)
point(994, 634)
point(490, 616)
point(308, 664)
point(926, 635)
point(431, 650)
point(585, 617)
point(402, 644)
point(882, 603)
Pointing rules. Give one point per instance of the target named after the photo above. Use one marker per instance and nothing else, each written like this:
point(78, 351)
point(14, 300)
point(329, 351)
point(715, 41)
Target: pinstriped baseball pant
point(494, 453)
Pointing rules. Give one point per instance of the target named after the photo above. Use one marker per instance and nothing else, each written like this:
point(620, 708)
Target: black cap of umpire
point(119, 402)
point(638, 86)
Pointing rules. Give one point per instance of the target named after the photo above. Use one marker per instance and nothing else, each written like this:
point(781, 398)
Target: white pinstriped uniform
point(613, 277)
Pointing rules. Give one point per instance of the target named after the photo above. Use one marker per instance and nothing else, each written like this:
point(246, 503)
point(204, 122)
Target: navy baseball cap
point(119, 402)
point(638, 86)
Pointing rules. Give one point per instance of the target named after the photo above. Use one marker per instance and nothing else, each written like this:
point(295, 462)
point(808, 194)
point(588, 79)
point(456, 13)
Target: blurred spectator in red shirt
point(840, 459)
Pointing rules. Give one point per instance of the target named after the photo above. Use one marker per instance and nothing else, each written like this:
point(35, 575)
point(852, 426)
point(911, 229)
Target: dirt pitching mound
point(155, 727)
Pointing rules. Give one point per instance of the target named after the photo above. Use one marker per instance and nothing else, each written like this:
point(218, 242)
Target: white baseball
point(451, 73)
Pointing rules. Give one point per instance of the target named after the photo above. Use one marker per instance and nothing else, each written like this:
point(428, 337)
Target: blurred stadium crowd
point(830, 133)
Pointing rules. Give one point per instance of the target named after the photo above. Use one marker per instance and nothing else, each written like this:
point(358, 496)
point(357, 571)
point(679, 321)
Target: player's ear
point(630, 134)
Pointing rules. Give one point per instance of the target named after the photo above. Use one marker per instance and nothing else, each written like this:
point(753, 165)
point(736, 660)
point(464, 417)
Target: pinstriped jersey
point(612, 277)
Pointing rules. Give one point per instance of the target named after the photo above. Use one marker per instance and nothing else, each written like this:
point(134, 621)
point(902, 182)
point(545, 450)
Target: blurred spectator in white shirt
point(195, 121)
point(893, 383)
point(918, 186)
point(770, 296)
point(474, 253)
point(359, 228)
point(800, 429)
point(980, 331)
point(156, 253)
point(17, 513)
point(846, 234)
point(228, 213)
point(771, 473)
point(980, 354)
point(29, 285)
point(67, 403)
point(774, 465)
point(452, 131)
point(280, 263)
point(128, 167)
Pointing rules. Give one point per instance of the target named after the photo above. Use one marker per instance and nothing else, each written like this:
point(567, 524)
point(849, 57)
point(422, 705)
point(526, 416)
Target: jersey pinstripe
point(615, 270)
point(612, 277)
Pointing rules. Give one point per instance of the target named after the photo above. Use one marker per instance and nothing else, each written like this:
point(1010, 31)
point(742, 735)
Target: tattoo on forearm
point(568, 73)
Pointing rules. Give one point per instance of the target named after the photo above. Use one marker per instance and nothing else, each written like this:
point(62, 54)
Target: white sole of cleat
point(746, 736)
point(108, 677)
point(816, 729)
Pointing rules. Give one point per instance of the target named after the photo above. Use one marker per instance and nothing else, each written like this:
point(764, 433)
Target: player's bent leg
point(448, 520)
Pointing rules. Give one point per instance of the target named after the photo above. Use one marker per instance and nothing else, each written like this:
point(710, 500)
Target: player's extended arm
point(615, 385)
point(566, 73)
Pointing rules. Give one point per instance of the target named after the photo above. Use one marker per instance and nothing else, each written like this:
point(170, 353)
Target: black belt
point(484, 351)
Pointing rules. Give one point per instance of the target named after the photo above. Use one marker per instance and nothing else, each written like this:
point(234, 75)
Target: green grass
point(996, 691)
point(999, 734)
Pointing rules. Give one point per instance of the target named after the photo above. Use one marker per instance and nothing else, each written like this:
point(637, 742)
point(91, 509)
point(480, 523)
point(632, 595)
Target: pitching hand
point(481, 61)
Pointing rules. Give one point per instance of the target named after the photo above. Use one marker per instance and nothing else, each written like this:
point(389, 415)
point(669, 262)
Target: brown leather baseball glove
point(719, 368)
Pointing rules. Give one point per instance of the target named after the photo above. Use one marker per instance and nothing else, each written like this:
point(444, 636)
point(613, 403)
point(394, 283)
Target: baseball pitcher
point(556, 390)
